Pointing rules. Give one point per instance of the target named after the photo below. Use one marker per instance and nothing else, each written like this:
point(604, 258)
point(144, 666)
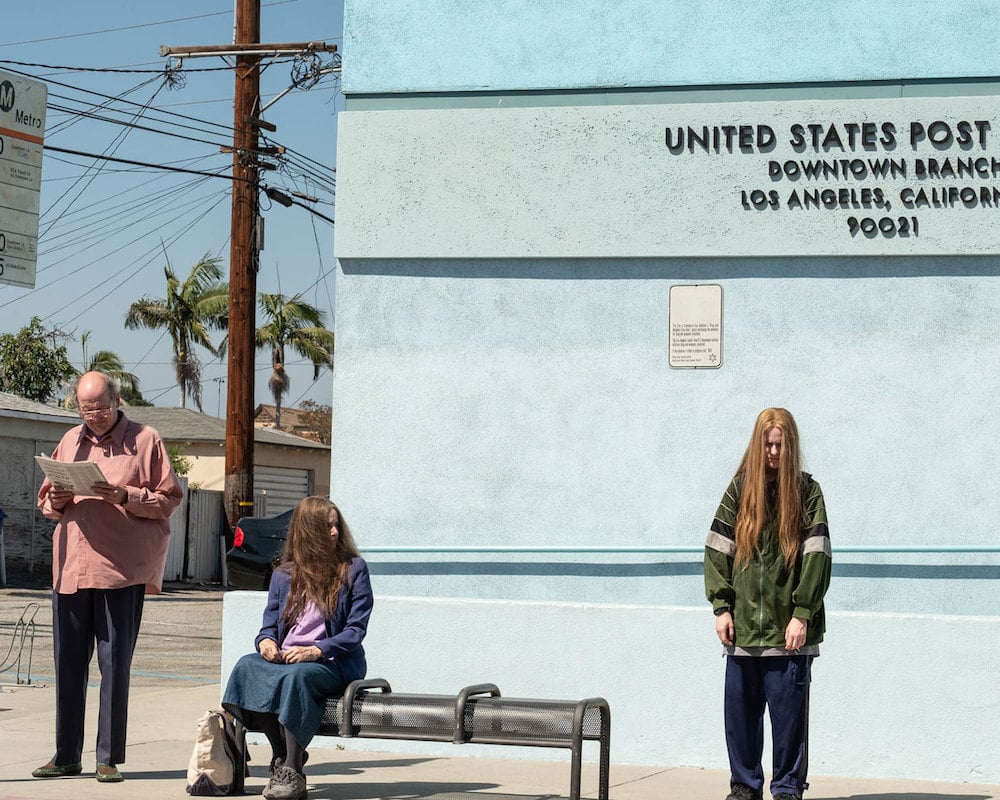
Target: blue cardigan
point(344, 630)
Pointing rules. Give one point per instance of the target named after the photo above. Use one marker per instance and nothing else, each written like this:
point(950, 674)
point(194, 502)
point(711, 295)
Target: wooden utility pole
point(244, 245)
point(243, 260)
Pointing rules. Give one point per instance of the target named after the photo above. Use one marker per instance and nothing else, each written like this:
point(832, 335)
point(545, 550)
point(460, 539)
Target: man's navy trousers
point(109, 617)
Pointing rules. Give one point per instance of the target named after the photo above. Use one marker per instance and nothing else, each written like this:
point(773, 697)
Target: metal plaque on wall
point(695, 325)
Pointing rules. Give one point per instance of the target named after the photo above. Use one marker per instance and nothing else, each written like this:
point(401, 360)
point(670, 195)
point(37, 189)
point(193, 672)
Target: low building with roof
point(27, 428)
point(310, 424)
point(286, 468)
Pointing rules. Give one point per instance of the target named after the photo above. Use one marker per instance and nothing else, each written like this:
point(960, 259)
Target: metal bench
point(477, 715)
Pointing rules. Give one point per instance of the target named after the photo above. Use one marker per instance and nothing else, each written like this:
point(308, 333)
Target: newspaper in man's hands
point(79, 476)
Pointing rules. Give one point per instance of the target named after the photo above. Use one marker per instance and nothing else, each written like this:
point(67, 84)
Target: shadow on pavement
point(406, 789)
point(906, 796)
point(318, 768)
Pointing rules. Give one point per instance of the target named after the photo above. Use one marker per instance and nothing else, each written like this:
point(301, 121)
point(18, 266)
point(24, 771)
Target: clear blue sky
point(106, 230)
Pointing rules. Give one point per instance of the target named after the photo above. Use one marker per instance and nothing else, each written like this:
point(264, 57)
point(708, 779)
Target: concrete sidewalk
point(161, 736)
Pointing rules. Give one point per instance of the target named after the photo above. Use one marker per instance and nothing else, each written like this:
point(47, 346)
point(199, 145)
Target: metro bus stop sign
point(22, 132)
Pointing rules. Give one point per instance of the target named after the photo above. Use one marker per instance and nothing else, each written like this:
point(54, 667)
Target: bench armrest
point(345, 721)
point(463, 700)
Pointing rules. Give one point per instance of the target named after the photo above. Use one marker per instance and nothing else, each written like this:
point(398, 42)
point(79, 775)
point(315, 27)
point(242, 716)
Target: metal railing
point(23, 634)
point(665, 548)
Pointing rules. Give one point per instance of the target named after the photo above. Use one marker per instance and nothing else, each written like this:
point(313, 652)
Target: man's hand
point(269, 651)
point(60, 498)
point(795, 634)
point(724, 628)
point(110, 493)
point(296, 655)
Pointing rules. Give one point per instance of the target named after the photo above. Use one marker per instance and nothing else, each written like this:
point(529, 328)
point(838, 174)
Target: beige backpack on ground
point(217, 764)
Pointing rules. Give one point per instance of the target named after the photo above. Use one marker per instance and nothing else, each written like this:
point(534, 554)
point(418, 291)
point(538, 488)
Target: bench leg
point(605, 769)
point(605, 752)
point(575, 770)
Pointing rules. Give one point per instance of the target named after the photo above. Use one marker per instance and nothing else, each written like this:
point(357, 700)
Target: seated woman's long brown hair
point(318, 560)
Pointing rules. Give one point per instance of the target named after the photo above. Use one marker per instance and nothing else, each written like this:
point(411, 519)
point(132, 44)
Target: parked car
point(257, 542)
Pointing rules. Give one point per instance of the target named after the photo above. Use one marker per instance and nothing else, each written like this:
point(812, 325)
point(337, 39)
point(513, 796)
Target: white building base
point(893, 696)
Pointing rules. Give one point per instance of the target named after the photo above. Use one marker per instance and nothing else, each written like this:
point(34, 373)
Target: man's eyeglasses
point(94, 413)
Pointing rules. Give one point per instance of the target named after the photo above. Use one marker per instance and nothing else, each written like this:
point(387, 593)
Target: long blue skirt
point(297, 693)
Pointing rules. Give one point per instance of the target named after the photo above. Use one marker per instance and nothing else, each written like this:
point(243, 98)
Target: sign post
point(22, 132)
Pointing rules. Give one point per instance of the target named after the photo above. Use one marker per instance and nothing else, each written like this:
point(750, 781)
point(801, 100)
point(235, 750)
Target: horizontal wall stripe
point(732, 93)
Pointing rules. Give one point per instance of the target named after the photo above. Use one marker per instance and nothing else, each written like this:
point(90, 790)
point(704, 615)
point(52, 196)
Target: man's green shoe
point(108, 773)
point(51, 770)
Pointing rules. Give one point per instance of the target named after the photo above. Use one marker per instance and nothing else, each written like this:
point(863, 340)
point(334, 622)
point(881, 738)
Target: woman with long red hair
point(767, 569)
point(309, 645)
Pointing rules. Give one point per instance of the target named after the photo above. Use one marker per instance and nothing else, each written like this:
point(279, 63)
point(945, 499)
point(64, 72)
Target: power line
point(231, 178)
point(86, 229)
point(322, 173)
point(197, 215)
point(307, 166)
point(120, 98)
point(166, 117)
point(322, 272)
point(113, 147)
point(119, 70)
point(78, 236)
point(163, 167)
point(194, 221)
point(227, 13)
point(135, 126)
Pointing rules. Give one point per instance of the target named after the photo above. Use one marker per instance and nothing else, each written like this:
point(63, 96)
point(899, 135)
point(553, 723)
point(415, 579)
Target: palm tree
point(110, 363)
point(294, 323)
point(188, 312)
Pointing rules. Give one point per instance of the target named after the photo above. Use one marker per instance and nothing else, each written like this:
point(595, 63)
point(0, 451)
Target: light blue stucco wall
point(529, 401)
point(418, 46)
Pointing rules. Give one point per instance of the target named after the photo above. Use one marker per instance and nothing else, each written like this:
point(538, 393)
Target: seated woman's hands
point(296, 655)
point(269, 651)
point(293, 655)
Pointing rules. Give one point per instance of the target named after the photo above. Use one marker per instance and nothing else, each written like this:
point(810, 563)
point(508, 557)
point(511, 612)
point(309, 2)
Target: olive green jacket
point(764, 595)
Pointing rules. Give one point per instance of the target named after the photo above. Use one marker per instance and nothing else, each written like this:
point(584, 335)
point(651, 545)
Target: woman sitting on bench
point(309, 645)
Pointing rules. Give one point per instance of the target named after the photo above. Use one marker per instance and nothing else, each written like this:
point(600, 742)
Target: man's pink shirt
point(101, 545)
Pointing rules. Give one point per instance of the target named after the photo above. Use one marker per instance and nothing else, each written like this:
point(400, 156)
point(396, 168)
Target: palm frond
point(291, 322)
point(191, 309)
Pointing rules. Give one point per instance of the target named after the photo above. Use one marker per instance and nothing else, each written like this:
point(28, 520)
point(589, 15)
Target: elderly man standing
point(108, 550)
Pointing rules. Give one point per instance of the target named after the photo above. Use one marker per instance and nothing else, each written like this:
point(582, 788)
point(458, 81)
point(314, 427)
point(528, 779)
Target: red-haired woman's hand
point(795, 634)
point(724, 627)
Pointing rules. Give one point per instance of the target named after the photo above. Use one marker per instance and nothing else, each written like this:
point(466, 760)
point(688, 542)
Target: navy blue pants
point(110, 618)
point(782, 684)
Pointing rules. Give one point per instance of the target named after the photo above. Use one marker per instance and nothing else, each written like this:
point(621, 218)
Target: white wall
point(662, 673)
